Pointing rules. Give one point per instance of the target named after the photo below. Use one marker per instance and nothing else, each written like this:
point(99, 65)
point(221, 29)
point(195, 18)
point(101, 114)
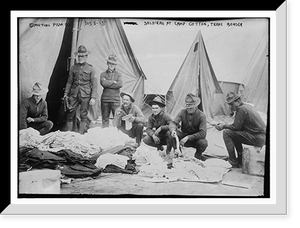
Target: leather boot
point(69, 126)
point(240, 158)
point(232, 159)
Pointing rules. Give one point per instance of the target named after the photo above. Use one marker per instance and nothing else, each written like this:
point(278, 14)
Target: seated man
point(158, 125)
point(248, 128)
point(34, 112)
point(129, 118)
point(193, 128)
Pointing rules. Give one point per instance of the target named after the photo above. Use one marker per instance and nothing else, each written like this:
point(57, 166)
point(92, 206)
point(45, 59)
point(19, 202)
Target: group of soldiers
point(189, 127)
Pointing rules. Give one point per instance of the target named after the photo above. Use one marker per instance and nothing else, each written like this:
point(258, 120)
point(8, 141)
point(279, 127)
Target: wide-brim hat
point(38, 89)
point(82, 51)
point(232, 96)
point(112, 59)
point(191, 101)
point(157, 101)
point(128, 94)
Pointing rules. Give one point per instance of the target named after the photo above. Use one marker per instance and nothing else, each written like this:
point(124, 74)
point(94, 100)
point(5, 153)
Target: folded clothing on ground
point(71, 164)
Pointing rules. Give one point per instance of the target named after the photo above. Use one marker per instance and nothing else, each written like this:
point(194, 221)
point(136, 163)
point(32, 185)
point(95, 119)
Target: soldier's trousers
point(234, 140)
point(74, 102)
point(199, 144)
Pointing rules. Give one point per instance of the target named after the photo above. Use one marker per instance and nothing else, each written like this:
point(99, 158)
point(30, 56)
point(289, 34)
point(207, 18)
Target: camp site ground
point(157, 57)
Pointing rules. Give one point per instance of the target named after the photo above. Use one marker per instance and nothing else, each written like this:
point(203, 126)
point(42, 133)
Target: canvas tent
point(254, 83)
point(39, 46)
point(241, 60)
point(46, 52)
point(257, 77)
point(196, 75)
point(233, 52)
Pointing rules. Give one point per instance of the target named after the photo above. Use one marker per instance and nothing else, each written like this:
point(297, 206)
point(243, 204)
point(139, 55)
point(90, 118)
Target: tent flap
point(39, 47)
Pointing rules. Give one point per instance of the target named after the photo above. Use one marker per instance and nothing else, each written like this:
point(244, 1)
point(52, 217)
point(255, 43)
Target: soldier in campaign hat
point(129, 118)
point(111, 81)
point(157, 125)
point(81, 89)
point(34, 112)
point(248, 128)
point(190, 126)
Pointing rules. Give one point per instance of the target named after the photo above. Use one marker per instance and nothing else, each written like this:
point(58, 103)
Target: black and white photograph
point(152, 108)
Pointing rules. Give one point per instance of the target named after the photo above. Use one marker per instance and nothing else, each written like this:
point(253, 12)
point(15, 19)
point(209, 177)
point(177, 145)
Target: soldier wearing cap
point(157, 125)
point(248, 128)
point(190, 126)
point(111, 81)
point(81, 89)
point(129, 118)
point(34, 112)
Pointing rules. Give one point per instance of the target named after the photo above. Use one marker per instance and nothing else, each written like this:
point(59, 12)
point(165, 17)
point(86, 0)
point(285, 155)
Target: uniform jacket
point(37, 111)
point(132, 109)
point(247, 119)
point(111, 90)
point(194, 125)
point(155, 121)
point(81, 79)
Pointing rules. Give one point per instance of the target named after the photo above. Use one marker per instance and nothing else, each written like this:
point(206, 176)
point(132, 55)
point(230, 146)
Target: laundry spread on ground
point(111, 151)
point(94, 141)
point(106, 138)
point(29, 137)
point(154, 168)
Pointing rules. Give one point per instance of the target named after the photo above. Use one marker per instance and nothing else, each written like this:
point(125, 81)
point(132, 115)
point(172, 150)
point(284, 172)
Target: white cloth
point(146, 155)
point(106, 137)
point(95, 140)
point(74, 141)
point(184, 170)
point(111, 159)
point(29, 137)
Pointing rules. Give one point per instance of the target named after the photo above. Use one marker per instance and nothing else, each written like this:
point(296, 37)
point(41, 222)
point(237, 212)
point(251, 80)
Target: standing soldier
point(111, 81)
point(81, 89)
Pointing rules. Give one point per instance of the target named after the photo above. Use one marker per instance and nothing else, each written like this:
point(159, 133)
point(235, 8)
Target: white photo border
point(275, 205)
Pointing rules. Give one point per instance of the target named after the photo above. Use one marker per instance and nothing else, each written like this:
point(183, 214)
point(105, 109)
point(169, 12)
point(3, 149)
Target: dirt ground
point(117, 184)
point(124, 184)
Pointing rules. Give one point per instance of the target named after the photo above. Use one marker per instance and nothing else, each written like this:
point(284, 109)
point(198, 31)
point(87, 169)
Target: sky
point(162, 45)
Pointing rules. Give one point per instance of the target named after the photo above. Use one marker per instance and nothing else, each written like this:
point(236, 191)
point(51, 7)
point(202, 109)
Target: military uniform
point(111, 81)
point(81, 87)
point(161, 120)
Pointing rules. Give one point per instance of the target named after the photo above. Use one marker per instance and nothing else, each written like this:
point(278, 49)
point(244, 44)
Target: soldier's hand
point(156, 139)
point(173, 134)
point(157, 131)
point(131, 119)
point(29, 119)
point(184, 140)
point(220, 126)
point(120, 113)
point(92, 101)
point(65, 97)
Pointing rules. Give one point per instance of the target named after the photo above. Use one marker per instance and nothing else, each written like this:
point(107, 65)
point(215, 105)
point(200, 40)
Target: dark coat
point(162, 120)
point(111, 82)
point(82, 79)
point(194, 125)
point(37, 111)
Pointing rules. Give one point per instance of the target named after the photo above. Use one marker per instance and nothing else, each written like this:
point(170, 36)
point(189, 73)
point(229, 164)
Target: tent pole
point(74, 42)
